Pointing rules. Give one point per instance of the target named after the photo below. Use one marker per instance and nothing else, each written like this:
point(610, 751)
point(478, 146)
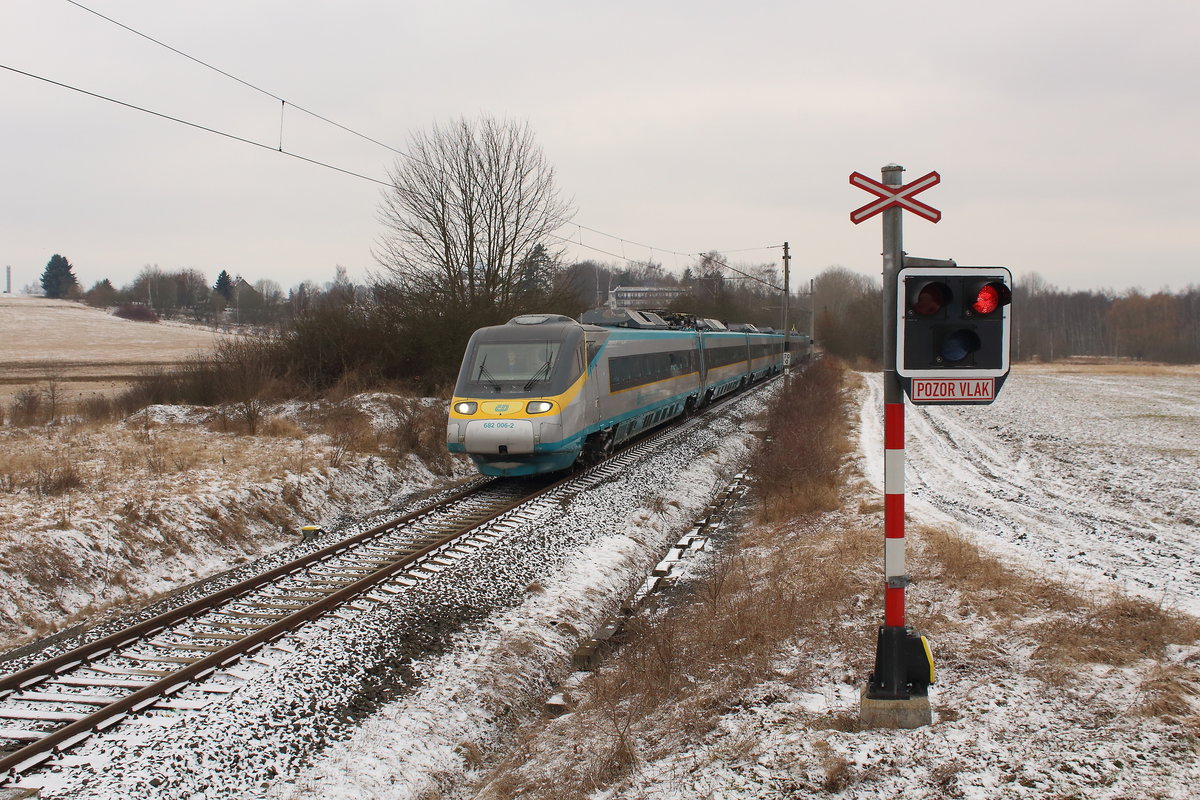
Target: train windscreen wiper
point(484, 375)
point(542, 374)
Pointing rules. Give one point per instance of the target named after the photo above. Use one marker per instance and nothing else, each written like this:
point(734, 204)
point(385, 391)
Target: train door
point(593, 390)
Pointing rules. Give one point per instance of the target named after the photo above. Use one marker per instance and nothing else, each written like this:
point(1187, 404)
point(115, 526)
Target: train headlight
point(538, 406)
point(466, 408)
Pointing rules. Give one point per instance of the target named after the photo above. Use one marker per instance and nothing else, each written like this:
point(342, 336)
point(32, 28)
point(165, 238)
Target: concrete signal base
point(913, 712)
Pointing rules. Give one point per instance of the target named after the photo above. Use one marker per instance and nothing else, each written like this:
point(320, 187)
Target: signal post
point(946, 341)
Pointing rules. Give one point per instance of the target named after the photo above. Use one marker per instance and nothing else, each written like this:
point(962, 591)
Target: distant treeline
point(342, 337)
point(1053, 324)
point(1049, 323)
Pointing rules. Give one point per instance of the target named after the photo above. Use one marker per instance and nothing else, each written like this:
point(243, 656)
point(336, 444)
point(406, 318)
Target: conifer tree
point(58, 279)
point(224, 286)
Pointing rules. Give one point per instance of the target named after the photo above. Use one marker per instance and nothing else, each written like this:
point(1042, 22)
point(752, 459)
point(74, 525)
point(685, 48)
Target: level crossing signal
point(953, 332)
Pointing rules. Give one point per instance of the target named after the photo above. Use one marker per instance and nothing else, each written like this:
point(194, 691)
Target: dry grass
point(799, 470)
point(678, 673)
point(675, 677)
point(1069, 629)
point(1099, 366)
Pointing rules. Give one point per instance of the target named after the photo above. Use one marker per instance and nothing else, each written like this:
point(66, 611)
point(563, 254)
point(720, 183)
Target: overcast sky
point(1064, 132)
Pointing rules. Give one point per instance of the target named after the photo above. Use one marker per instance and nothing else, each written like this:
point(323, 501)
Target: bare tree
point(465, 211)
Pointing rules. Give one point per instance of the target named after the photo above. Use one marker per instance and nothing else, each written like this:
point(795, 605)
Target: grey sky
point(1063, 131)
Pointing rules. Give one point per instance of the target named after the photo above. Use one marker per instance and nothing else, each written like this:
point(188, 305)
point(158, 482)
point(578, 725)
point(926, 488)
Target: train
point(544, 392)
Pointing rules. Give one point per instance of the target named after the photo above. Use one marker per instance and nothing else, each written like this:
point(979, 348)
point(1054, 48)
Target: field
point(83, 350)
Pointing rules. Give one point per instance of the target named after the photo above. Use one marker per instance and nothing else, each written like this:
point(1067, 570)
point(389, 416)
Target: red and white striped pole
point(890, 679)
point(893, 514)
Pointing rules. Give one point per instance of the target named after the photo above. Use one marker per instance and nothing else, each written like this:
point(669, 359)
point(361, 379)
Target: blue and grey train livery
point(543, 391)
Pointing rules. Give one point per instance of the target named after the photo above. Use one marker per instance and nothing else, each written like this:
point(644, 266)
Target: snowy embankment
point(166, 498)
point(422, 686)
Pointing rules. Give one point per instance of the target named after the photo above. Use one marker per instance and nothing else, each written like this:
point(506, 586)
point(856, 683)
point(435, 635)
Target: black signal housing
point(953, 322)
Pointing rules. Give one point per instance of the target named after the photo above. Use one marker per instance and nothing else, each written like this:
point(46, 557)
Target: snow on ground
point(167, 498)
point(37, 329)
point(1088, 478)
point(462, 651)
point(1091, 474)
point(1029, 478)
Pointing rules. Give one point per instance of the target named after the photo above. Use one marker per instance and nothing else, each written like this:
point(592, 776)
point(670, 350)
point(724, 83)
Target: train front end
point(517, 407)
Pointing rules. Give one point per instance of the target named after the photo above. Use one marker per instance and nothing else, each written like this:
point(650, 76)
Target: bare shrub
point(799, 468)
point(98, 408)
point(27, 408)
point(152, 387)
point(348, 430)
point(245, 372)
point(135, 312)
point(281, 428)
point(58, 478)
point(420, 428)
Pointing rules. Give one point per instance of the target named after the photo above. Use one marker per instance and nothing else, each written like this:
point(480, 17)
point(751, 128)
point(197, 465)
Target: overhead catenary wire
point(284, 103)
point(335, 168)
point(198, 126)
point(245, 83)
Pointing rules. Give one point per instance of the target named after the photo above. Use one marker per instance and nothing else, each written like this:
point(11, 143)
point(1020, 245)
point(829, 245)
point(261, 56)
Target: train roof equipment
point(624, 318)
point(538, 319)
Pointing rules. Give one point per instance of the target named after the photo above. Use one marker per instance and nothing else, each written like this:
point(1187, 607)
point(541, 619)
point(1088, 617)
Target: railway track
point(183, 658)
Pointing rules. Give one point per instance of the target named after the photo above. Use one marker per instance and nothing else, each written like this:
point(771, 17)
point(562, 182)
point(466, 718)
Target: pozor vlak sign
point(953, 333)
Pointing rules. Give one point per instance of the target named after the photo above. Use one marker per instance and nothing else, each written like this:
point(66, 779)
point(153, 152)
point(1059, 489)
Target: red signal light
point(987, 301)
point(986, 297)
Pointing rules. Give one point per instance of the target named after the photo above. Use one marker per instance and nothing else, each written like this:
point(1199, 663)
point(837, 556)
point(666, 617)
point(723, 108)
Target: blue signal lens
point(959, 345)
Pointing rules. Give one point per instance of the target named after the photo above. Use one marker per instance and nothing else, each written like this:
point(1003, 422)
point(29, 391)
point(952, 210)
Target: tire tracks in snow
point(1055, 476)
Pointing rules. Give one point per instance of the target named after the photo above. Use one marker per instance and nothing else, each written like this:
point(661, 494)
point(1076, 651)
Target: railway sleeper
point(225, 637)
point(148, 673)
point(68, 697)
point(108, 683)
point(371, 563)
point(253, 615)
point(40, 716)
point(250, 626)
point(208, 648)
point(282, 606)
point(21, 734)
point(335, 572)
point(157, 659)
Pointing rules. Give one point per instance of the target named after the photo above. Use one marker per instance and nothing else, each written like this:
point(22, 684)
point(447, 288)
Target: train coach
point(544, 392)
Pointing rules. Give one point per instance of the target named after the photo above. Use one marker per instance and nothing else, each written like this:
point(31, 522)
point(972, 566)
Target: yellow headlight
point(538, 406)
point(466, 408)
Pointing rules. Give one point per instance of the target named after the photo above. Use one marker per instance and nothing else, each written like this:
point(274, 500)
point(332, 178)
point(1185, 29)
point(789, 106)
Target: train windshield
point(513, 366)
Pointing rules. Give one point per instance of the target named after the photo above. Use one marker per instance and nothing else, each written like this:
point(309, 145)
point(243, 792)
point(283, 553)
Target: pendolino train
point(543, 391)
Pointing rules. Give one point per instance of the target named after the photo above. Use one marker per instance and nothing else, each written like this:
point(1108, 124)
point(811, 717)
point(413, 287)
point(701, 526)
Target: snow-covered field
point(85, 350)
point(38, 329)
point(1092, 474)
